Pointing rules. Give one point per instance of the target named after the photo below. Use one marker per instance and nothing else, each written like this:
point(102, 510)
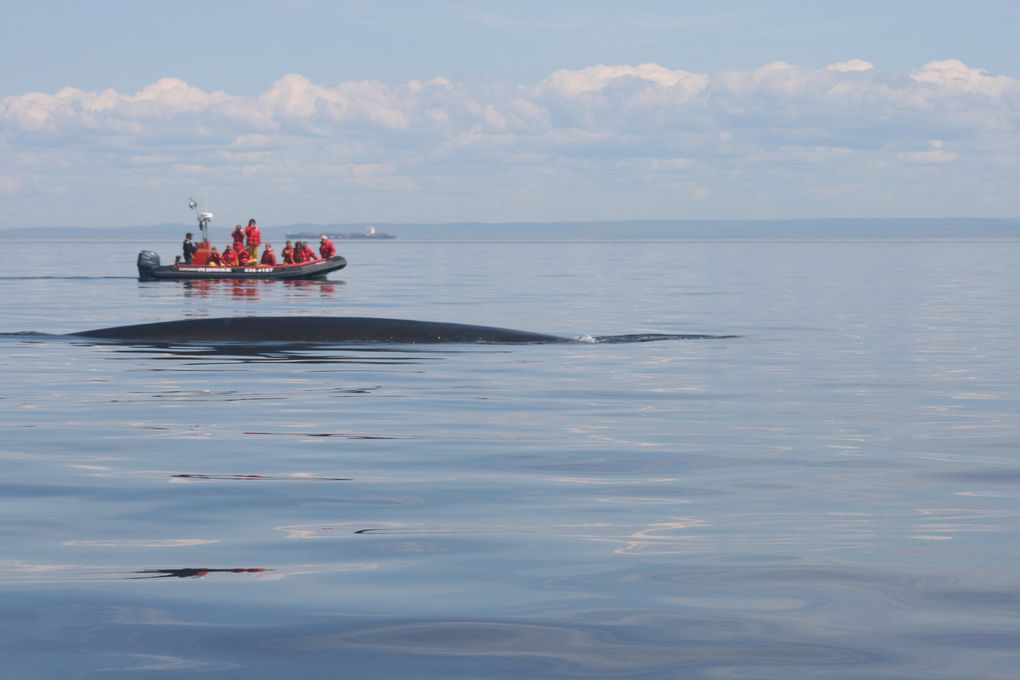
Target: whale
point(317, 329)
point(347, 329)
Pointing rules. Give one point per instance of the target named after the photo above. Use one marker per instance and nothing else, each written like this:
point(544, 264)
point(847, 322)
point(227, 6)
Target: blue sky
point(115, 112)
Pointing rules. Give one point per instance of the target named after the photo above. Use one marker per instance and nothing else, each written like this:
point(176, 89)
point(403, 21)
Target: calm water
point(832, 494)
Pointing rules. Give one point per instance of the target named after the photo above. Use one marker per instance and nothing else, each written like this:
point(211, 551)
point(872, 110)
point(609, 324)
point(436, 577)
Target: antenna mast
point(204, 218)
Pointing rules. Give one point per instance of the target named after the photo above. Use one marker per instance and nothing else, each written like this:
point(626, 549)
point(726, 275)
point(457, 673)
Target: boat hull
point(149, 269)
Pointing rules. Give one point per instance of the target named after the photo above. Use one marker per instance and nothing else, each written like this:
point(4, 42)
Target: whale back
point(316, 329)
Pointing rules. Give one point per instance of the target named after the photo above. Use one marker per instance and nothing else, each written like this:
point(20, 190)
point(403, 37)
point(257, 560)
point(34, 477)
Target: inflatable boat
point(150, 269)
point(202, 267)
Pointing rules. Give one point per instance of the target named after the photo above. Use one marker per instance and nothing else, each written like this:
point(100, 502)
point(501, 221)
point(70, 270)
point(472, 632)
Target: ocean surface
point(832, 493)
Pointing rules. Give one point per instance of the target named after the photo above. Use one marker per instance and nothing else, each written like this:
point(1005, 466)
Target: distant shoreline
point(622, 230)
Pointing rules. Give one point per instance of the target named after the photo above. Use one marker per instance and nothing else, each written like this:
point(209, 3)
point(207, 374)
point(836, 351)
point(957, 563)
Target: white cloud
point(571, 84)
point(935, 155)
point(775, 78)
point(170, 95)
point(789, 83)
point(296, 98)
point(155, 110)
point(952, 77)
point(688, 136)
point(852, 66)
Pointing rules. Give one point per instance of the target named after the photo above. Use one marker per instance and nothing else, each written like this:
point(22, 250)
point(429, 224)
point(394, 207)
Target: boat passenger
point(189, 248)
point(254, 238)
point(310, 255)
point(287, 253)
point(326, 248)
point(300, 254)
point(244, 259)
point(268, 256)
point(214, 258)
point(238, 236)
point(229, 257)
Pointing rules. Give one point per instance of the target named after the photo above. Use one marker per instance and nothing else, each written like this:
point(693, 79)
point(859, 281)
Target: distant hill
point(823, 228)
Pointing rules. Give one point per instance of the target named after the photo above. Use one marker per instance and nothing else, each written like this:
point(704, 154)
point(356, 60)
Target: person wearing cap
point(189, 248)
point(326, 248)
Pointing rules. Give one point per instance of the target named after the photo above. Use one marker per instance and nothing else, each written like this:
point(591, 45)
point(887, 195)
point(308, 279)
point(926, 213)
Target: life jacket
point(327, 249)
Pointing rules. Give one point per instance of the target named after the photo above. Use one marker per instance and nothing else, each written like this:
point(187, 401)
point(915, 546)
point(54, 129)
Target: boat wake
point(64, 278)
point(27, 334)
point(649, 337)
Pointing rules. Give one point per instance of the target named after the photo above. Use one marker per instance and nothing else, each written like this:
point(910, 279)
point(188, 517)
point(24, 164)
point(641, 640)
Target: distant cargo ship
point(369, 232)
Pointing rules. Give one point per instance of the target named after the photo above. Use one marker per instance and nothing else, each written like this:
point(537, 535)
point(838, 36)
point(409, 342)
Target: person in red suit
point(229, 257)
point(326, 248)
point(268, 256)
point(287, 253)
point(240, 252)
point(254, 238)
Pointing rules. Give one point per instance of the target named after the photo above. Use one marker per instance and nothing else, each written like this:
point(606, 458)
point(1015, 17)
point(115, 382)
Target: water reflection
point(340, 435)
point(196, 572)
point(312, 287)
point(253, 289)
point(298, 477)
point(16, 570)
point(141, 543)
point(596, 643)
point(653, 536)
point(274, 353)
point(943, 524)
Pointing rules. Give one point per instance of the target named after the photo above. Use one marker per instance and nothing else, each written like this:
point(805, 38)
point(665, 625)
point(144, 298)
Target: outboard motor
point(148, 263)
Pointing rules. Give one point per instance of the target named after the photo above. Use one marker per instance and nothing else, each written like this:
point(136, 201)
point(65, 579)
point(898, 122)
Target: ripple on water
point(621, 645)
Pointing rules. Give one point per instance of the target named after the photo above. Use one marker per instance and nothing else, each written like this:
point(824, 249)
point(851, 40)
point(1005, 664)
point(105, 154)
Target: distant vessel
point(370, 232)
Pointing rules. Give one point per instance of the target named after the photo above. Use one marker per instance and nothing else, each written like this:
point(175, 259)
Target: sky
point(115, 112)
